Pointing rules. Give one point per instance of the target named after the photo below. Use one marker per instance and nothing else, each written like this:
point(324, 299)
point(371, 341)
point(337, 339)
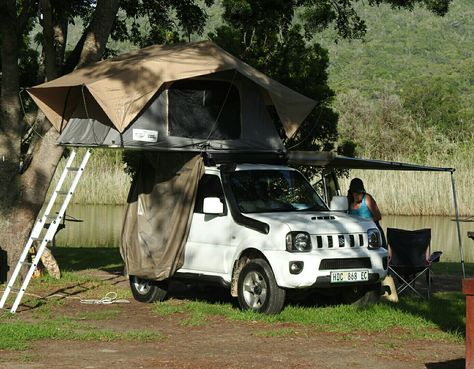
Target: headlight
point(298, 242)
point(375, 240)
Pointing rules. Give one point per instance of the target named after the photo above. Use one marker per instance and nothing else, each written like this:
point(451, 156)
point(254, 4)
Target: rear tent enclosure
point(174, 102)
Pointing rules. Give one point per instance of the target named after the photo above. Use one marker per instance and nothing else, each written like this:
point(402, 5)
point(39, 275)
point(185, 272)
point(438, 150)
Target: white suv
point(262, 230)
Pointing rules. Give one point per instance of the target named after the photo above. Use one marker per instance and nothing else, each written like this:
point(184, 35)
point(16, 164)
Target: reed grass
point(397, 192)
point(419, 193)
point(104, 180)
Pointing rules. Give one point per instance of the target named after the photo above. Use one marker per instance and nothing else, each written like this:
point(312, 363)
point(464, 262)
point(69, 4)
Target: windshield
point(262, 191)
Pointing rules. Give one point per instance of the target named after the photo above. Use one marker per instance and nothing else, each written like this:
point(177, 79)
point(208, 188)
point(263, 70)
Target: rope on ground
point(109, 298)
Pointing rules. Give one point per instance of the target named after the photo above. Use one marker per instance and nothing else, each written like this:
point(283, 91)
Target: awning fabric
point(332, 160)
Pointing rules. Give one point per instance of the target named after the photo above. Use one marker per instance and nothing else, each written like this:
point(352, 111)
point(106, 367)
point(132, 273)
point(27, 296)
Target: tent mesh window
point(204, 110)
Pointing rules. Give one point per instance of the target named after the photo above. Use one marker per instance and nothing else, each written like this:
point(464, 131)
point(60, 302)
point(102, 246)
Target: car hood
point(316, 222)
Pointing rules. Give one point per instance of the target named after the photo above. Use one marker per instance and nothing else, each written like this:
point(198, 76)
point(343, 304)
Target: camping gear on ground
point(45, 227)
point(390, 291)
point(411, 258)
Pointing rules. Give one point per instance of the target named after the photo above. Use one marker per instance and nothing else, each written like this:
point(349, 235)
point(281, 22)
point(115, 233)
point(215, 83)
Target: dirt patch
point(223, 343)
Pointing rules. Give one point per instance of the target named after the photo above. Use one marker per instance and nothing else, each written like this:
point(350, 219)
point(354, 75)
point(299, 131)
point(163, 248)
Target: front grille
point(338, 240)
point(351, 263)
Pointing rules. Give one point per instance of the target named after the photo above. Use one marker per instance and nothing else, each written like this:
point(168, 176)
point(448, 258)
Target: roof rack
point(214, 158)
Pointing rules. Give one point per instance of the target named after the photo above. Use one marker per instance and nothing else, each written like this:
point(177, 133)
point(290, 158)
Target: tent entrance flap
point(159, 212)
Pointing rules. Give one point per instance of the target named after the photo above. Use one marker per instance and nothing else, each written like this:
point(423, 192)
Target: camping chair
point(411, 258)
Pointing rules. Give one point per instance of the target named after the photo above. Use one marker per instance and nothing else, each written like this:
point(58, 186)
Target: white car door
point(208, 248)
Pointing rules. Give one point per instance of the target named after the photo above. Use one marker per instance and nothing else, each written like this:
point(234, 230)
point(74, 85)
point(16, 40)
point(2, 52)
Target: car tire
point(145, 290)
point(258, 290)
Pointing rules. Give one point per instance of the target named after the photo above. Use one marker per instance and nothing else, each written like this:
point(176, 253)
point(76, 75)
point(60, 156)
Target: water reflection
point(92, 225)
point(101, 225)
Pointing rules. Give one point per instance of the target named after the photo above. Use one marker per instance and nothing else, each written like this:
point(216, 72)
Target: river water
point(100, 226)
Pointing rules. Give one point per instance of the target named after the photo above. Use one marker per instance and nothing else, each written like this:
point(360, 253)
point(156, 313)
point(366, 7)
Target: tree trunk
point(98, 31)
point(49, 50)
point(10, 108)
point(9, 119)
point(32, 186)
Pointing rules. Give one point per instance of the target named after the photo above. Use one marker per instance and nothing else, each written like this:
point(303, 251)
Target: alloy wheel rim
point(142, 286)
point(255, 290)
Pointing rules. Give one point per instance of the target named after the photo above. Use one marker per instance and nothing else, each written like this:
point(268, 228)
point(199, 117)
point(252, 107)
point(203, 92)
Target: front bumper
point(316, 274)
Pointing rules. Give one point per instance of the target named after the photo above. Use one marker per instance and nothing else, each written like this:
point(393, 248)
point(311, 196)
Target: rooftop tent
point(221, 111)
point(146, 98)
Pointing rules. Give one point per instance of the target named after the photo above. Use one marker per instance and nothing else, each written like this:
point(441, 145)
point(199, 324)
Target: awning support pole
point(461, 252)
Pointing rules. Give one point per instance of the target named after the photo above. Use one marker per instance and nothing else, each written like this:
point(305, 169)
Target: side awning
point(331, 160)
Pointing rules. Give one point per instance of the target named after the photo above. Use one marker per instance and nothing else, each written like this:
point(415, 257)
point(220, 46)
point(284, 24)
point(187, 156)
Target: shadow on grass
point(446, 310)
point(74, 259)
point(451, 364)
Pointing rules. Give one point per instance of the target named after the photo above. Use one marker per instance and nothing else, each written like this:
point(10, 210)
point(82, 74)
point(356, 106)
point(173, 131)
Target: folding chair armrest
point(435, 256)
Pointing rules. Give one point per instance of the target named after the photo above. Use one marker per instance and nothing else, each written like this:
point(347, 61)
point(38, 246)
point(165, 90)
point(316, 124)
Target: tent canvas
point(159, 212)
point(112, 94)
point(223, 111)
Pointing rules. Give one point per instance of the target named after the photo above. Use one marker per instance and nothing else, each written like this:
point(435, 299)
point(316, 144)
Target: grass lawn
point(442, 318)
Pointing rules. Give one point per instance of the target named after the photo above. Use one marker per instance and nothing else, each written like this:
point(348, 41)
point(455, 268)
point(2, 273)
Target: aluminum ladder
point(43, 232)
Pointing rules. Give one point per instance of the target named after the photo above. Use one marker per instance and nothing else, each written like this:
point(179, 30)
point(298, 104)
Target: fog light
point(296, 267)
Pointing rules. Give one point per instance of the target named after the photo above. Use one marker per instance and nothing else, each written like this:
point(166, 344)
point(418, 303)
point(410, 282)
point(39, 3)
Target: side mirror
point(339, 203)
point(213, 205)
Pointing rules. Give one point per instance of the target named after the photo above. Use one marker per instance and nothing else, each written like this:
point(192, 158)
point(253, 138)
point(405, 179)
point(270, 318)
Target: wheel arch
point(245, 256)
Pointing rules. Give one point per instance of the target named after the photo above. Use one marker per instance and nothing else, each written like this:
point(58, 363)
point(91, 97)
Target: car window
point(209, 186)
point(258, 191)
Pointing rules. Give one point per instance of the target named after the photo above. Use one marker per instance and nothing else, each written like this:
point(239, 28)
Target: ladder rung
point(54, 225)
point(51, 216)
point(63, 192)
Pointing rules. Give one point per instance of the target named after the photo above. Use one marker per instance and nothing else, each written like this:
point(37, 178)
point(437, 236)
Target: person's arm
point(374, 209)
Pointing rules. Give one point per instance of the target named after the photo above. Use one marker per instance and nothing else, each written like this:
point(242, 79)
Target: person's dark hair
point(356, 186)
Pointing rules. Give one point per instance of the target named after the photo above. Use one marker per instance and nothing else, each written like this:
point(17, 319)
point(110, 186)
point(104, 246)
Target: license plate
point(349, 276)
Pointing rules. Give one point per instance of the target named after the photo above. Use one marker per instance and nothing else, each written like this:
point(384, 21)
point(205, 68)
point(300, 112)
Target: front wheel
point(145, 290)
point(258, 290)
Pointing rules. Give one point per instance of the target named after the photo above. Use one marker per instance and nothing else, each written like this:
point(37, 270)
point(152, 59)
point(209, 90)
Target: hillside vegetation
point(411, 81)
point(403, 93)
point(406, 93)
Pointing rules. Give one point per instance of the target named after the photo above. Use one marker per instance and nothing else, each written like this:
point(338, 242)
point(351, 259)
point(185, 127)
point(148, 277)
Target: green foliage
point(344, 15)
point(158, 21)
point(406, 91)
point(381, 127)
point(262, 34)
point(435, 102)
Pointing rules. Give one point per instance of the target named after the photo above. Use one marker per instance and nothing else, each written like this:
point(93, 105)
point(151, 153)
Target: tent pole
point(461, 252)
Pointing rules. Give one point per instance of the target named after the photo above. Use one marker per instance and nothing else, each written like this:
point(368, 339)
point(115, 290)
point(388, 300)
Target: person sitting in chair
point(363, 205)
